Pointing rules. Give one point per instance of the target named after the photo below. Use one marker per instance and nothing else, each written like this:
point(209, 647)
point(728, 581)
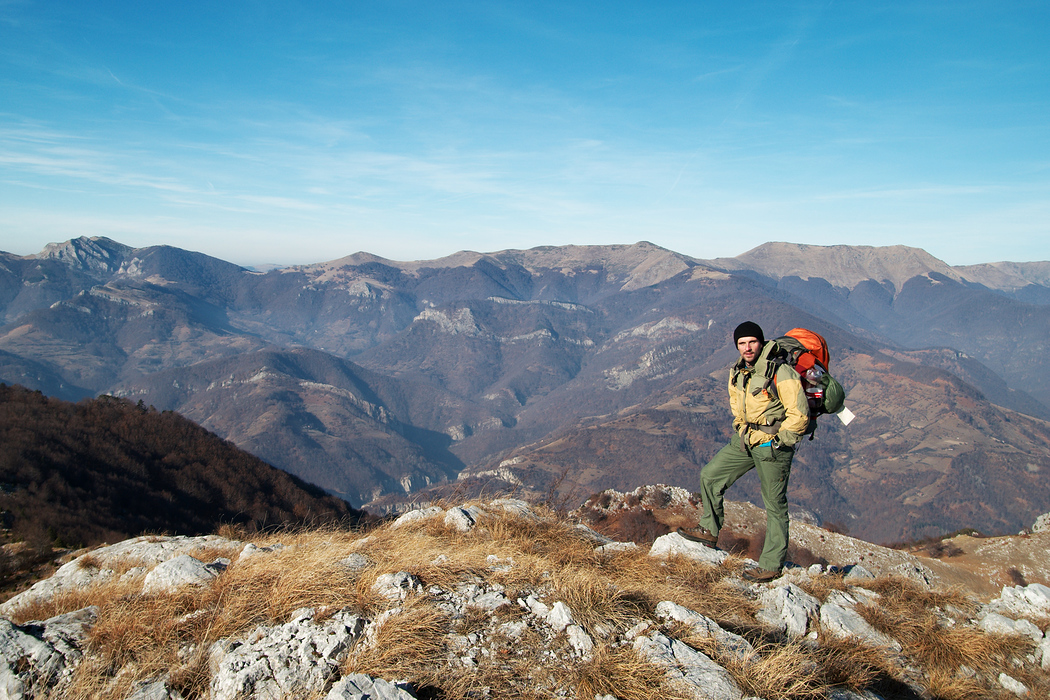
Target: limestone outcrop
point(312, 651)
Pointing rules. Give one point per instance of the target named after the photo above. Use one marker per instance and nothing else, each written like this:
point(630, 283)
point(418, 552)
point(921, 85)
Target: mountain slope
point(326, 420)
point(105, 469)
point(373, 377)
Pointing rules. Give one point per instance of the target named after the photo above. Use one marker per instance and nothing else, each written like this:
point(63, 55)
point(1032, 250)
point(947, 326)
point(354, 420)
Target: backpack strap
point(773, 362)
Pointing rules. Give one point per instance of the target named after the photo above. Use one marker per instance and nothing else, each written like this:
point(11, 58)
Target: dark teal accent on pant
point(774, 468)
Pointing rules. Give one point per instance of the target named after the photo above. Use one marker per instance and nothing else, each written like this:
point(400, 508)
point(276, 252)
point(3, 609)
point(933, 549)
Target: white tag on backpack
point(845, 415)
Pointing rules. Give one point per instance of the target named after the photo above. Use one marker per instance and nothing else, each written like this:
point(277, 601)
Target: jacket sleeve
point(793, 397)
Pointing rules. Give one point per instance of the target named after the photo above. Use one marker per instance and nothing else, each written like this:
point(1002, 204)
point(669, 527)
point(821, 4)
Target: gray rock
point(705, 627)
point(788, 608)
point(616, 547)
point(595, 537)
point(416, 516)
point(182, 570)
point(673, 544)
point(994, 623)
point(1031, 601)
point(856, 572)
point(1012, 685)
point(358, 686)
point(560, 616)
point(488, 599)
point(39, 658)
point(250, 550)
point(397, 586)
point(535, 606)
point(694, 672)
point(1042, 653)
point(148, 551)
point(843, 621)
point(355, 563)
point(916, 572)
point(580, 641)
point(513, 506)
point(848, 694)
point(154, 690)
point(294, 659)
point(459, 519)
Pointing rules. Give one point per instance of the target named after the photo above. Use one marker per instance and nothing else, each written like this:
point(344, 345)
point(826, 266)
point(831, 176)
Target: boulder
point(674, 544)
point(838, 617)
point(358, 686)
point(296, 659)
point(460, 519)
point(98, 566)
point(355, 563)
point(705, 627)
point(180, 571)
point(250, 550)
point(397, 586)
point(154, 690)
point(695, 673)
point(1012, 685)
point(1031, 601)
point(416, 517)
point(513, 506)
point(788, 608)
point(38, 659)
point(994, 623)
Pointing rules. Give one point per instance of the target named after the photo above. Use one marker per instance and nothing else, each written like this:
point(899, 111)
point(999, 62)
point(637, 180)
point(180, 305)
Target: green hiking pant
point(774, 467)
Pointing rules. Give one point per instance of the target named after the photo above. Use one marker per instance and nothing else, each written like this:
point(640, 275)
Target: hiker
point(769, 423)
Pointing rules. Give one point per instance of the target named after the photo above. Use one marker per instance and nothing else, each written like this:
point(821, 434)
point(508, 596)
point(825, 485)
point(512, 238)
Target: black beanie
point(749, 329)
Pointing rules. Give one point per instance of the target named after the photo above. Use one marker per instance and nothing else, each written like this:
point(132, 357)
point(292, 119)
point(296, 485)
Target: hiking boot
point(761, 575)
point(699, 534)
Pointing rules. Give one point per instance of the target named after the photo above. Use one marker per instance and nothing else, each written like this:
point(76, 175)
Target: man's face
point(749, 349)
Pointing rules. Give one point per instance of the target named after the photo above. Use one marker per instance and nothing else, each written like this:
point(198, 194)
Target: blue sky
point(299, 132)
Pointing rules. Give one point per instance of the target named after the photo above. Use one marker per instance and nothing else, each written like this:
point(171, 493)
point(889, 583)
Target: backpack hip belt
point(767, 429)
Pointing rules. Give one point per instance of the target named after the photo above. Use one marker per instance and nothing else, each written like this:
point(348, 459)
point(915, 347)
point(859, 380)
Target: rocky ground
point(502, 599)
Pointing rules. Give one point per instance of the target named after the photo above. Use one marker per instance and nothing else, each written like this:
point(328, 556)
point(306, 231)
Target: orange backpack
point(808, 348)
point(807, 352)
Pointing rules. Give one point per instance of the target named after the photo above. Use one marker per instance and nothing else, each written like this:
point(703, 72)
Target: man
point(770, 416)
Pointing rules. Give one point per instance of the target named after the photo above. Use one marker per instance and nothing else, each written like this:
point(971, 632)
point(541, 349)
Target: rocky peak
point(841, 265)
point(98, 254)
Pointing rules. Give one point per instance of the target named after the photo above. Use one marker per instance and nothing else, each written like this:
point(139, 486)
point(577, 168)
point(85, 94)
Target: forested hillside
point(106, 469)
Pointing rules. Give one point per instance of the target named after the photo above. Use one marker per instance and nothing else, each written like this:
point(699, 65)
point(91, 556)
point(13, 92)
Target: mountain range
point(576, 367)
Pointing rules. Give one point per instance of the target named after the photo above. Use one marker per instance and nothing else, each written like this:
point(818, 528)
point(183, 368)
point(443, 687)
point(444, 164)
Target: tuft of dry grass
point(934, 642)
point(956, 686)
point(778, 672)
point(845, 662)
point(622, 673)
point(411, 643)
point(820, 587)
point(596, 601)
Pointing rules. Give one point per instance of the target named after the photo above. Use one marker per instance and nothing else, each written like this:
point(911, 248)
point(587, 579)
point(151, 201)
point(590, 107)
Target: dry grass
point(778, 672)
point(820, 587)
point(410, 643)
point(620, 672)
point(141, 637)
point(845, 662)
point(936, 643)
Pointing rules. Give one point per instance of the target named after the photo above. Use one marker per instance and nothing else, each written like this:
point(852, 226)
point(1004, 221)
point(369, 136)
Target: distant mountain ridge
point(378, 378)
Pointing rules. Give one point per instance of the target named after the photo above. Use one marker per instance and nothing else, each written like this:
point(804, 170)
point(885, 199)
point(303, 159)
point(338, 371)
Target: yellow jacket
point(761, 414)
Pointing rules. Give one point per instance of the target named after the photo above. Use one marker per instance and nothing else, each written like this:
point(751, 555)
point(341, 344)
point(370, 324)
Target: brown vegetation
point(73, 475)
point(139, 637)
